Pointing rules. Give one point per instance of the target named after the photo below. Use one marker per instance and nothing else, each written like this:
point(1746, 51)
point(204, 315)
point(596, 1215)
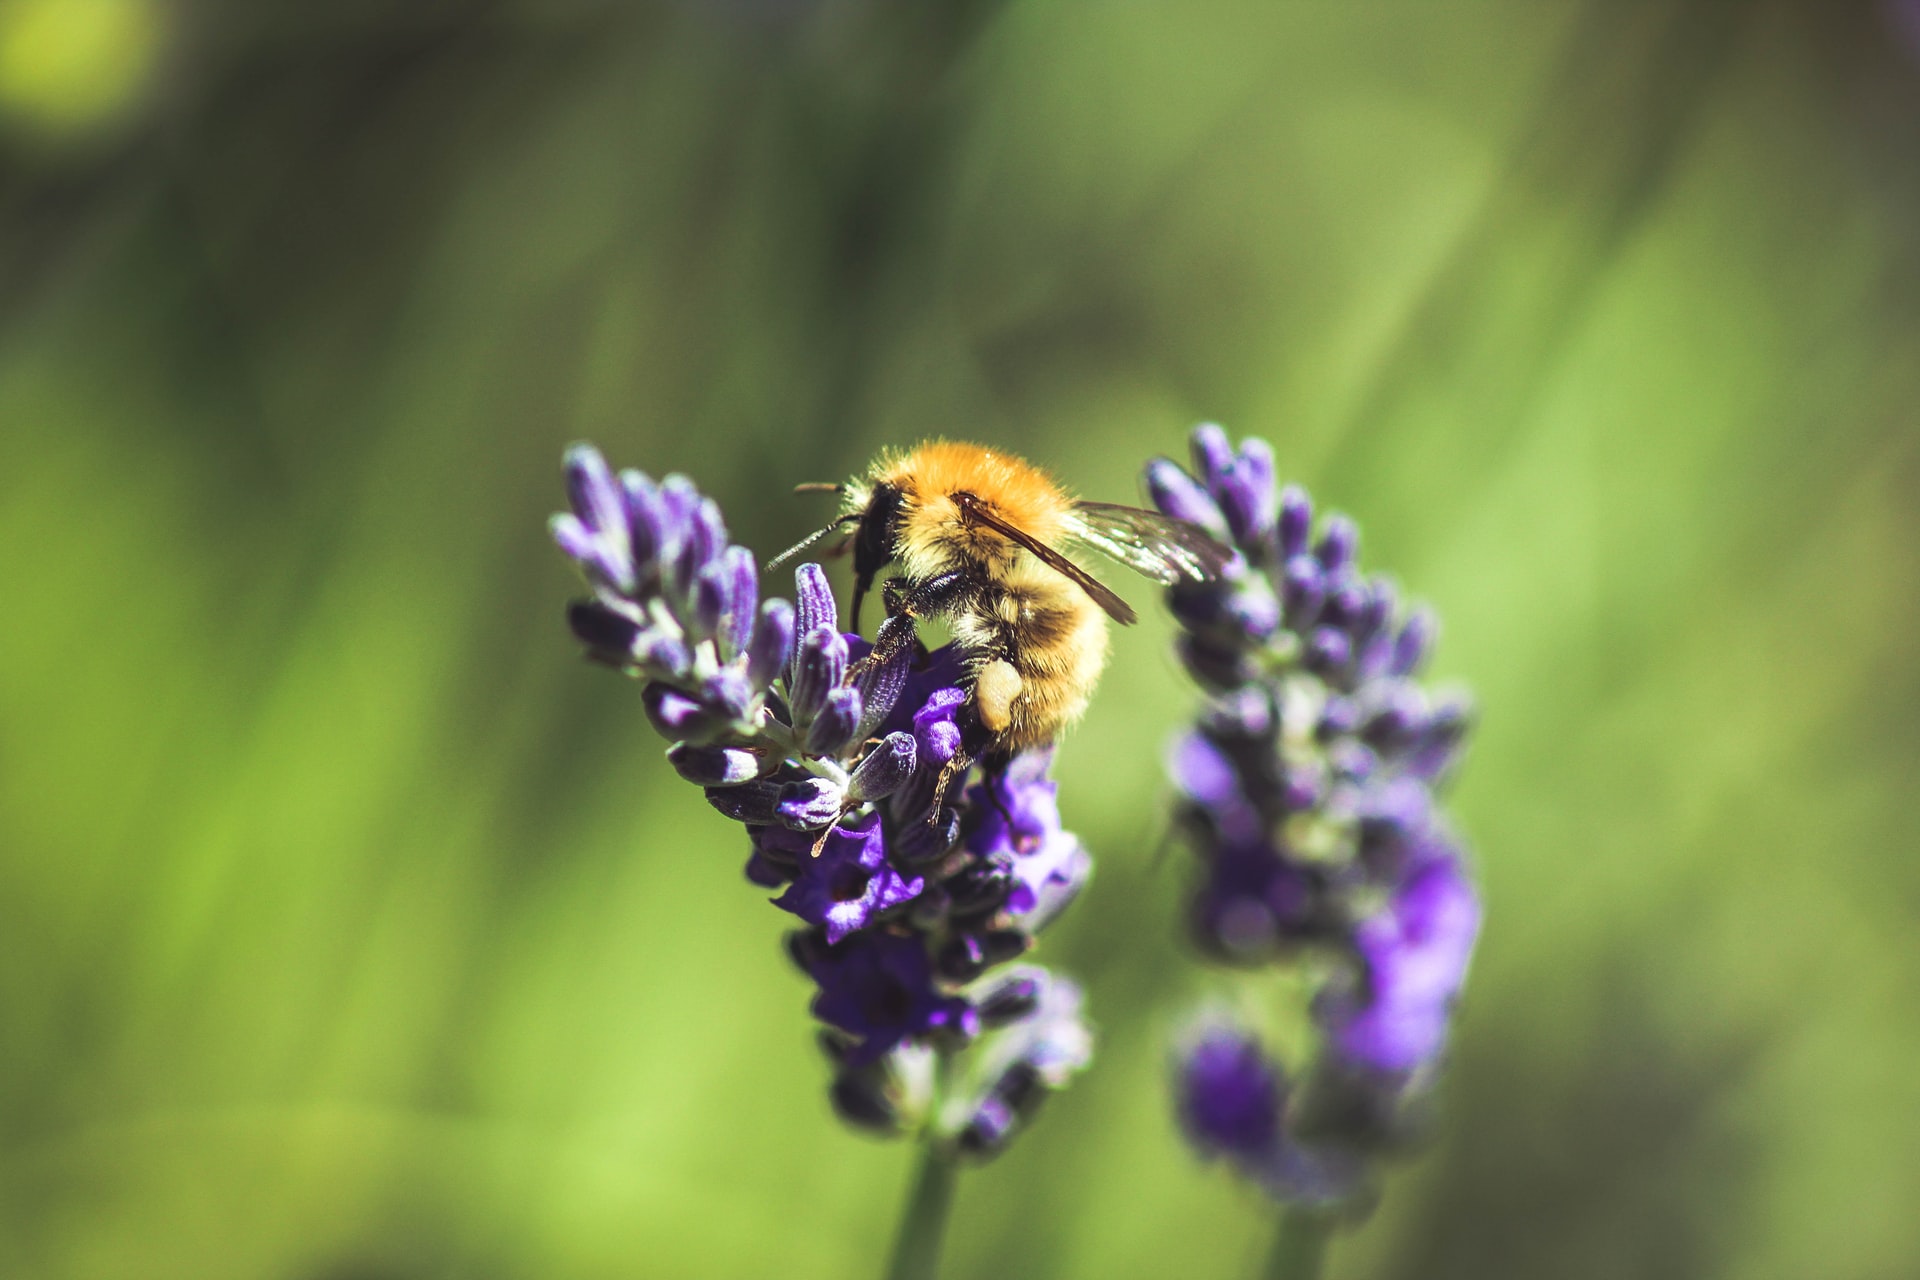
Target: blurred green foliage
point(352, 929)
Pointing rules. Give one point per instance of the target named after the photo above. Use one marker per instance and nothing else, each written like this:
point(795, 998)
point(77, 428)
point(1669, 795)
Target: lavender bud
point(675, 501)
point(646, 521)
point(880, 688)
point(1376, 656)
point(1214, 664)
point(706, 539)
point(595, 499)
point(662, 653)
point(968, 956)
point(741, 576)
point(674, 714)
point(819, 665)
point(768, 873)
point(713, 766)
point(1295, 522)
point(920, 841)
point(1229, 1094)
point(1246, 494)
point(885, 769)
point(1247, 714)
point(608, 634)
point(1175, 493)
point(810, 804)
point(1303, 588)
point(813, 600)
point(1212, 456)
point(1446, 730)
point(1253, 608)
point(581, 544)
point(1339, 542)
point(772, 643)
point(1327, 650)
point(1397, 717)
point(860, 1099)
point(1010, 1100)
point(728, 690)
point(832, 730)
point(1415, 639)
point(756, 803)
point(709, 598)
point(1011, 1000)
point(1346, 598)
point(1337, 716)
point(982, 889)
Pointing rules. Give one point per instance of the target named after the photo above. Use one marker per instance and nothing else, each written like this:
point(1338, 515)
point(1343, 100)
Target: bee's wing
point(1116, 608)
point(1165, 549)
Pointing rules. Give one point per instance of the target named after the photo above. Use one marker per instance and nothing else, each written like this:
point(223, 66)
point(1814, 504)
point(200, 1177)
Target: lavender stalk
point(1307, 789)
point(915, 906)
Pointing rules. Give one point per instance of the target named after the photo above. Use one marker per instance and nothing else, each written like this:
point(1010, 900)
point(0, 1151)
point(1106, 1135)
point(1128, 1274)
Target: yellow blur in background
point(351, 928)
point(67, 66)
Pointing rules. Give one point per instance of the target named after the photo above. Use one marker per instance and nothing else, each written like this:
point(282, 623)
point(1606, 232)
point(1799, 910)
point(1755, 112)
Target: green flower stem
point(1299, 1246)
point(916, 1250)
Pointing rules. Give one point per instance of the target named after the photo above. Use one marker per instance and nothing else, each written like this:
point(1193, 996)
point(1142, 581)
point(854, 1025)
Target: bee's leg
point(954, 768)
point(907, 601)
point(976, 743)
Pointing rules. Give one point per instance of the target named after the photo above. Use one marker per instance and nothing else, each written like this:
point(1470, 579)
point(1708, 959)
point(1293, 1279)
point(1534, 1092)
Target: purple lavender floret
point(1235, 1103)
point(878, 988)
point(833, 763)
point(1307, 788)
point(851, 883)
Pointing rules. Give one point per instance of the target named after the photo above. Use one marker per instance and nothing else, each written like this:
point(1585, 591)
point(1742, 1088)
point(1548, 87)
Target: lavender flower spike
point(909, 917)
point(1307, 788)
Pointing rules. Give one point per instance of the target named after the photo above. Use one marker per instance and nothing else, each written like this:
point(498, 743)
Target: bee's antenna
point(809, 540)
point(819, 486)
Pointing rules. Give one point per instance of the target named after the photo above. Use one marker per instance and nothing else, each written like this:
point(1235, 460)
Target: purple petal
point(1229, 1094)
point(936, 728)
point(1415, 954)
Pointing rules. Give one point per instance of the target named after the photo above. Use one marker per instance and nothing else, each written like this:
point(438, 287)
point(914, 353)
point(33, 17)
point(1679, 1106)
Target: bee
point(978, 537)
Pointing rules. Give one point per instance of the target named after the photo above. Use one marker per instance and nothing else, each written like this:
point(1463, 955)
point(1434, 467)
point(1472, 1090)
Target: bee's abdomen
point(1044, 654)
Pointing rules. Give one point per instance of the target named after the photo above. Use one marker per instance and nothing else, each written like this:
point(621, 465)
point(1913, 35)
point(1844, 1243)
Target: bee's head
point(877, 509)
point(874, 510)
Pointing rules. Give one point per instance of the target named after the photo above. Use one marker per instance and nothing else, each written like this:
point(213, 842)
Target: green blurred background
point(351, 928)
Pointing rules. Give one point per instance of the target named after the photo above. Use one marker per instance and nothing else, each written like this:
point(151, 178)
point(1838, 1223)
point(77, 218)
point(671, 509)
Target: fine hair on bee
point(978, 538)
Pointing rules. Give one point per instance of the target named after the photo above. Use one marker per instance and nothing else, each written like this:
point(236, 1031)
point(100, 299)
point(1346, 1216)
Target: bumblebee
point(978, 537)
